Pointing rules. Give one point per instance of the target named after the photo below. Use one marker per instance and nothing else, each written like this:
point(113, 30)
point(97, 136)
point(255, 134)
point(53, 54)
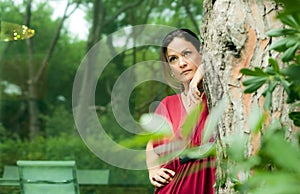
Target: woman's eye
point(187, 53)
point(172, 59)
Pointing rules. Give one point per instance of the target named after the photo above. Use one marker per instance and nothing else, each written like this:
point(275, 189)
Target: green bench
point(50, 173)
point(10, 176)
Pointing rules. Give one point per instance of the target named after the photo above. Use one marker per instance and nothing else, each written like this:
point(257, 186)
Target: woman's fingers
point(166, 174)
point(162, 176)
point(156, 183)
point(171, 172)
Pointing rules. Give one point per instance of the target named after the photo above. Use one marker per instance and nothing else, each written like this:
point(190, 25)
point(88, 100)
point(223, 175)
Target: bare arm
point(158, 176)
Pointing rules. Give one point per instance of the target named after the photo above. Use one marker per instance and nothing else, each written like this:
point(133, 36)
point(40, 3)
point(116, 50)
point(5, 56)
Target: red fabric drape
point(193, 177)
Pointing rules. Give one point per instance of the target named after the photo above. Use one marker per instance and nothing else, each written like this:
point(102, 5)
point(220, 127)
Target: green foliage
point(275, 166)
point(273, 75)
point(61, 121)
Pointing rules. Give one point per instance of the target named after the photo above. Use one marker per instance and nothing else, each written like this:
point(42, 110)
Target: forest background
point(37, 77)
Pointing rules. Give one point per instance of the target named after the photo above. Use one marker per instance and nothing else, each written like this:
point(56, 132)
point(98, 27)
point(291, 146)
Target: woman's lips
point(186, 71)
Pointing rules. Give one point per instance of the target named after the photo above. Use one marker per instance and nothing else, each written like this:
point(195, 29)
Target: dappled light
point(11, 31)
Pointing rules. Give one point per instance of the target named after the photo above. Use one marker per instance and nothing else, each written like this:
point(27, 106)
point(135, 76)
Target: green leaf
point(265, 182)
point(274, 64)
point(291, 41)
point(282, 153)
point(298, 59)
point(252, 88)
point(290, 21)
point(270, 70)
point(279, 45)
point(268, 101)
point(138, 140)
point(199, 152)
point(156, 124)
point(272, 86)
point(256, 72)
point(256, 119)
point(281, 32)
point(253, 83)
point(248, 72)
point(286, 85)
point(237, 144)
point(288, 55)
point(254, 80)
point(295, 116)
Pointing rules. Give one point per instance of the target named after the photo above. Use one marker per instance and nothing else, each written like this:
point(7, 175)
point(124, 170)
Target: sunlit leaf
point(275, 183)
point(289, 156)
point(237, 144)
point(138, 140)
point(256, 119)
point(11, 31)
point(199, 152)
point(156, 124)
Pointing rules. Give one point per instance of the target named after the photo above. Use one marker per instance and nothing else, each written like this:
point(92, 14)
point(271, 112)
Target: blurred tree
point(37, 57)
point(35, 76)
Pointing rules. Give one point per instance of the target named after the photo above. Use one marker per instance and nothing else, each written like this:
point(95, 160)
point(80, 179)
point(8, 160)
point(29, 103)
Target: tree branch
point(123, 9)
point(186, 4)
point(54, 41)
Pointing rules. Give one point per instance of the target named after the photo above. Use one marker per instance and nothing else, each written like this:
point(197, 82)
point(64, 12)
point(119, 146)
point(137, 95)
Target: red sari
point(193, 177)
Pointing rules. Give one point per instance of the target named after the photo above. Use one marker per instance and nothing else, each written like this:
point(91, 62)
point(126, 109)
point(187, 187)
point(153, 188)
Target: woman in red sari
point(181, 59)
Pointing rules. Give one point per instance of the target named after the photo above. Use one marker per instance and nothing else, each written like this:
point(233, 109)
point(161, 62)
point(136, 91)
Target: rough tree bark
point(234, 38)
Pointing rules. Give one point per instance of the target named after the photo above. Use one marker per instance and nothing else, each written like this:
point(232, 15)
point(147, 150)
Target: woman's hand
point(194, 95)
point(160, 177)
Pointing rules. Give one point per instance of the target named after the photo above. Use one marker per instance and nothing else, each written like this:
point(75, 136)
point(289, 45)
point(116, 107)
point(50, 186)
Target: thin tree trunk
point(33, 76)
point(234, 38)
point(32, 87)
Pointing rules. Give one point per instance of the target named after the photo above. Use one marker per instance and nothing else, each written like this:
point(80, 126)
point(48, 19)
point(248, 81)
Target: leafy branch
point(288, 76)
point(275, 154)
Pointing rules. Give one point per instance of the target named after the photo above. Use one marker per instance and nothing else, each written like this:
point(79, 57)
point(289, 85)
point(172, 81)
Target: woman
point(181, 59)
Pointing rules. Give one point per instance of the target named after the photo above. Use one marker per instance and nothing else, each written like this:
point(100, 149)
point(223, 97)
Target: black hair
point(184, 33)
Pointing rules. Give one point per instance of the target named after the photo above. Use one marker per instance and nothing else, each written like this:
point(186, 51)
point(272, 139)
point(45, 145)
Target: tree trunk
point(34, 76)
point(33, 109)
point(234, 38)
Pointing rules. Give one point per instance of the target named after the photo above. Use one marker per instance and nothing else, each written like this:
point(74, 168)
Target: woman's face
point(183, 59)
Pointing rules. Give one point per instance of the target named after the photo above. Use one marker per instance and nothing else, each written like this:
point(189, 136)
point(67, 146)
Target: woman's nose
point(182, 62)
